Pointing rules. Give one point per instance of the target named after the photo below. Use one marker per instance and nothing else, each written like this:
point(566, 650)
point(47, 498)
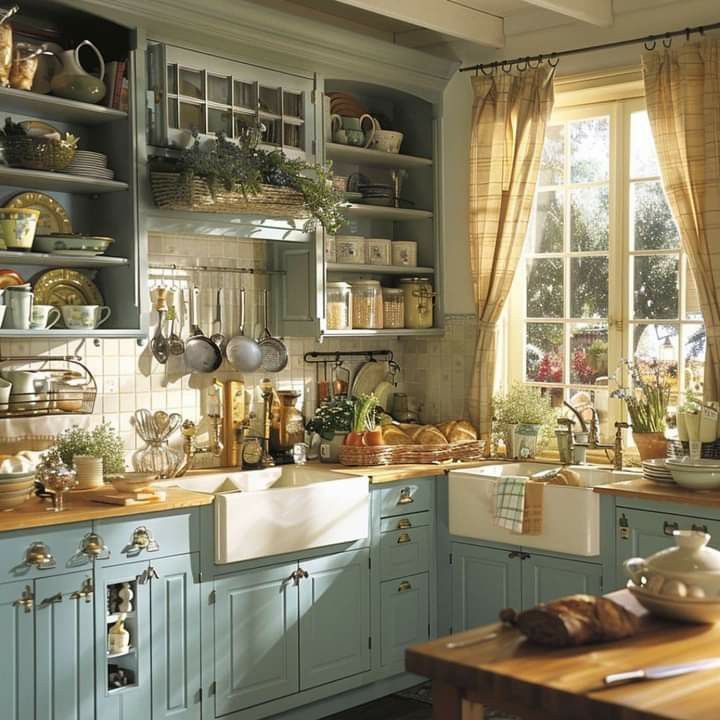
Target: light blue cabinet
point(16, 655)
point(546, 578)
point(405, 617)
point(334, 618)
point(256, 637)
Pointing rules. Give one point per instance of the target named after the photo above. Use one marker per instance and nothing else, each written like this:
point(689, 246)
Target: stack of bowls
point(656, 470)
point(700, 474)
point(15, 489)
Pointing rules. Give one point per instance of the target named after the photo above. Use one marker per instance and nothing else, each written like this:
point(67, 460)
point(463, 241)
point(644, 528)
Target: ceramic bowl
point(132, 482)
point(76, 243)
point(388, 141)
point(14, 498)
point(685, 610)
point(17, 227)
point(695, 474)
point(16, 485)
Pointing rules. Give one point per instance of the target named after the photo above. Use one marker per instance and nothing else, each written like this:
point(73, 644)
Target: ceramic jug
point(73, 82)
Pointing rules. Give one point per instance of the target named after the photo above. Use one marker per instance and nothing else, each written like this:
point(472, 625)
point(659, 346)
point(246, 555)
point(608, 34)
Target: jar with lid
point(367, 305)
point(418, 302)
point(393, 308)
point(338, 307)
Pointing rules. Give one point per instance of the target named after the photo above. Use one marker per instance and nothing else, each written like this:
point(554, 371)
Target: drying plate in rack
point(53, 216)
point(64, 286)
point(368, 377)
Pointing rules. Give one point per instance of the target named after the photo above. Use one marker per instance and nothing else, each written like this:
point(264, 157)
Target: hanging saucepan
point(242, 352)
point(201, 353)
point(274, 352)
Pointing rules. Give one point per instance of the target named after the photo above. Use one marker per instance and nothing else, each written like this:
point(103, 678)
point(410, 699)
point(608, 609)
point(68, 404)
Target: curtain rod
point(553, 58)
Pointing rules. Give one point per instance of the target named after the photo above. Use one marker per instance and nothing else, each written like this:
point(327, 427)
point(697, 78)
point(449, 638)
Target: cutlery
point(455, 644)
point(661, 671)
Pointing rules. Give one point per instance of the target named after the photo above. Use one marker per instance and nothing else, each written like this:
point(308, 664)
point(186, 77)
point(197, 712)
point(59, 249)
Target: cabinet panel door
point(404, 616)
point(175, 644)
point(548, 578)
point(16, 653)
point(64, 648)
point(256, 637)
point(334, 618)
point(484, 581)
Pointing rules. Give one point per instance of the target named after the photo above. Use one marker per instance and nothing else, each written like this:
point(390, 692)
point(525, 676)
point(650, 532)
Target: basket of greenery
point(47, 152)
point(231, 177)
point(102, 442)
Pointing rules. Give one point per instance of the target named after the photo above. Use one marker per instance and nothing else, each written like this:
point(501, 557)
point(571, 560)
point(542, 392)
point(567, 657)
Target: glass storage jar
point(367, 305)
point(393, 308)
point(418, 302)
point(338, 307)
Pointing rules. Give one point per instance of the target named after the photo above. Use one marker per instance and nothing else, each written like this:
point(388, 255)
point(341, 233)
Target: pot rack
point(316, 358)
point(210, 268)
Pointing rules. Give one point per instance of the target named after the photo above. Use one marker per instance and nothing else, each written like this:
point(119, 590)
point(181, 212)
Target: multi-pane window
point(603, 276)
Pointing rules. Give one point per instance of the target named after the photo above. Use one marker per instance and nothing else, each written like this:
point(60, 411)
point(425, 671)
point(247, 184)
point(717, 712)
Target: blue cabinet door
point(334, 618)
point(64, 647)
point(256, 637)
point(546, 578)
point(17, 651)
point(175, 644)
point(404, 617)
point(484, 581)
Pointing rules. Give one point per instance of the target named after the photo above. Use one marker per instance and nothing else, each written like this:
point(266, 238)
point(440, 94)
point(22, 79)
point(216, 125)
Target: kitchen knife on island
point(661, 671)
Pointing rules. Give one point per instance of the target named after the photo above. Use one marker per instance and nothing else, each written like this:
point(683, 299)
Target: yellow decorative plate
point(53, 216)
point(64, 286)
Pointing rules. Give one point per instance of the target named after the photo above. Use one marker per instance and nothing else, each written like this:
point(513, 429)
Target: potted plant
point(523, 416)
point(597, 356)
point(647, 399)
point(332, 422)
point(96, 453)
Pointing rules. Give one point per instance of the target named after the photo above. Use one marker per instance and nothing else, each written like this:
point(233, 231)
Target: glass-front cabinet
point(195, 92)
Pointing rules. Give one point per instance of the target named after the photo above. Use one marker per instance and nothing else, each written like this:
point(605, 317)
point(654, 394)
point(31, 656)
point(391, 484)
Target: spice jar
point(24, 66)
point(367, 304)
point(338, 308)
point(6, 51)
point(393, 308)
point(418, 302)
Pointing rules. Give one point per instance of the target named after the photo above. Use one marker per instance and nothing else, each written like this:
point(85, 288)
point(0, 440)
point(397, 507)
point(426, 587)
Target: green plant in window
point(648, 395)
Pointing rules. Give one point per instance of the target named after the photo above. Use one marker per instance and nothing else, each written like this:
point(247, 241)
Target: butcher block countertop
point(646, 490)
point(80, 507)
point(541, 683)
point(380, 474)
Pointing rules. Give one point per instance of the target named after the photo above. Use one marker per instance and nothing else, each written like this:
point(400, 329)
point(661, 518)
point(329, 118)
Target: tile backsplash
point(433, 370)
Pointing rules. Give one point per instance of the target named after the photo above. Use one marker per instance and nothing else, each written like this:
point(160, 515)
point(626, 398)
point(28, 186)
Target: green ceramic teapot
point(73, 82)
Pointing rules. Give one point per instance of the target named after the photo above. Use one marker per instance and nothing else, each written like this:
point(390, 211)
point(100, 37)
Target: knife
point(661, 671)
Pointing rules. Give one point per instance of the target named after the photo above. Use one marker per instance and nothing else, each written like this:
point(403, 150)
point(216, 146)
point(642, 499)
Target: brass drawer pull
point(94, 547)
point(404, 538)
point(404, 586)
point(404, 524)
point(669, 528)
point(26, 600)
point(85, 592)
point(405, 497)
point(699, 528)
point(39, 556)
point(47, 602)
point(142, 539)
point(299, 575)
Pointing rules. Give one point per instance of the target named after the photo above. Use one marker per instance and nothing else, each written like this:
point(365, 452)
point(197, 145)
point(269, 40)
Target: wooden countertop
point(646, 490)
point(80, 507)
point(540, 683)
point(380, 474)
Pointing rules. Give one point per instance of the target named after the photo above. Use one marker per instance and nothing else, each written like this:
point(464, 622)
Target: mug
point(84, 316)
point(19, 302)
point(40, 317)
point(27, 387)
point(3, 310)
point(5, 388)
point(340, 137)
point(349, 130)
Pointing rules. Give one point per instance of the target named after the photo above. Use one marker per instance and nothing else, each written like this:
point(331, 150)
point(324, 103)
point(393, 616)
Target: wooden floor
point(392, 707)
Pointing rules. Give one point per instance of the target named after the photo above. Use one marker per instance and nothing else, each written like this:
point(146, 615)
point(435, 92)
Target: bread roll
point(430, 435)
point(447, 427)
point(393, 435)
point(463, 431)
point(414, 432)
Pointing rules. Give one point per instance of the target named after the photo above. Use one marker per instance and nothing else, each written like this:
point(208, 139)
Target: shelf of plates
point(81, 203)
point(373, 158)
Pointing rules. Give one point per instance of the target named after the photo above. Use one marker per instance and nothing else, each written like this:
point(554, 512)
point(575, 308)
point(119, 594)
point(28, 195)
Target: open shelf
point(50, 107)
point(60, 182)
point(380, 212)
point(53, 334)
point(373, 158)
point(383, 333)
point(380, 269)
point(14, 257)
point(125, 653)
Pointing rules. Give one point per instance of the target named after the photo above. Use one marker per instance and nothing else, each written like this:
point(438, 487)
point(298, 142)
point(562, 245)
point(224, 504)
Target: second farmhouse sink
point(571, 515)
point(283, 509)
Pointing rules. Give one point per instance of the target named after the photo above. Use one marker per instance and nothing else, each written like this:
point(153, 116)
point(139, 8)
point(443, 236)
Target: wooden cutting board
point(138, 498)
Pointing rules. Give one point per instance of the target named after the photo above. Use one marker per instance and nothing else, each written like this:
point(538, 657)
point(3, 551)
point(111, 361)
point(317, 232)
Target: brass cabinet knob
point(404, 538)
point(404, 524)
point(404, 586)
point(405, 496)
point(142, 539)
point(94, 547)
point(38, 555)
point(299, 575)
point(25, 601)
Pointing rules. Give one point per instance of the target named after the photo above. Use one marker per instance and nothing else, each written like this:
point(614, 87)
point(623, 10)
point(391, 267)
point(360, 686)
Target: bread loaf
point(430, 435)
point(446, 428)
point(393, 435)
point(462, 431)
point(574, 620)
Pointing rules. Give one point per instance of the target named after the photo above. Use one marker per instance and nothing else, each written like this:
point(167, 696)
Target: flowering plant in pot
point(647, 398)
point(524, 417)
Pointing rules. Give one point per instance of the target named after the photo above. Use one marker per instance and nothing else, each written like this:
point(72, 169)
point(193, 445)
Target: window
point(603, 276)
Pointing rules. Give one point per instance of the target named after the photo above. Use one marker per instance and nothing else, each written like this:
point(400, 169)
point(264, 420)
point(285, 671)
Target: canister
point(367, 304)
point(330, 249)
point(404, 252)
point(338, 307)
point(350, 249)
point(419, 297)
point(393, 308)
point(379, 251)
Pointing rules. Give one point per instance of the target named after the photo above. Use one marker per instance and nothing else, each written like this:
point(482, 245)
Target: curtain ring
point(487, 71)
point(550, 61)
point(507, 69)
point(524, 66)
point(667, 41)
point(538, 61)
point(687, 34)
point(476, 70)
point(649, 44)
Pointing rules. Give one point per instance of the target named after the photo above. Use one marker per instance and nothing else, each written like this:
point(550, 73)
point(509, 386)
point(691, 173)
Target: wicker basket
point(677, 449)
point(410, 454)
point(173, 192)
point(34, 153)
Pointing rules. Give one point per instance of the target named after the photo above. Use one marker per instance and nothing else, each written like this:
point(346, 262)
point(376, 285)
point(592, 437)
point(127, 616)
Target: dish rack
point(67, 387)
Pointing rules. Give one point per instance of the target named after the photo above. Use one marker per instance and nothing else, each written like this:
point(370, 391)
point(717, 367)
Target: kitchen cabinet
point(546, 578)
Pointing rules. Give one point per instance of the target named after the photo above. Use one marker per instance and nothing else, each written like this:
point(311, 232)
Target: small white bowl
point(703, 474)
point(132, 482)
point(686, 609)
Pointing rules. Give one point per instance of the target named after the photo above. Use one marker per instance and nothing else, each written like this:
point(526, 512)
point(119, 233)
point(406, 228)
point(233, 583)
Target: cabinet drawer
point(405, 522)
point(149, 536)
point(61, 552)
point(405, 616)
point(410, 497)
point(404, 552)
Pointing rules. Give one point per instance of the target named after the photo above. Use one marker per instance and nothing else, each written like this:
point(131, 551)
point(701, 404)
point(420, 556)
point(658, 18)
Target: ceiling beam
point(595, 12)
point(448, 17)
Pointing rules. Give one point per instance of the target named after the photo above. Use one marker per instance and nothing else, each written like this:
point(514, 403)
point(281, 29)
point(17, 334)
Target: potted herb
point(96, 453)
point(647, 399)
point(523, 416)
point(332, 422)
point(597, 356)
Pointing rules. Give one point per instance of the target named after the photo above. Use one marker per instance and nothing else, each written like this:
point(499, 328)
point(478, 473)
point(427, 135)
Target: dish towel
point(533, 515)
point(510, 502)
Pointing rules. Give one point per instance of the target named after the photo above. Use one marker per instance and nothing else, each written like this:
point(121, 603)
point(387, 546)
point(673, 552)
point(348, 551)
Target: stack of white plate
point(90, 164)
point(657, 471)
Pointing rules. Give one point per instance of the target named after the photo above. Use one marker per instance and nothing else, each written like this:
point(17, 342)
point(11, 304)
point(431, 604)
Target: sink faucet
point(617, 444)
point(190, 449)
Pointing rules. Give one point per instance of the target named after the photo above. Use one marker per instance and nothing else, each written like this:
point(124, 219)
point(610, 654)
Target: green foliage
point(647, 397)
point(335, 416)
point(364, 414)
point(102, 442)
point(523, 404)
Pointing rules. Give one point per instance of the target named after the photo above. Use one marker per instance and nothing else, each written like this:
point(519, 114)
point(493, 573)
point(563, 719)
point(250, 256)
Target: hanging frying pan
point(274, 352)
point(242, 352)
point(201, 353)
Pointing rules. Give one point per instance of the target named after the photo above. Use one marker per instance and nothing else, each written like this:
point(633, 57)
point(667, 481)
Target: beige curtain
point(682, 89)
point(510, 113)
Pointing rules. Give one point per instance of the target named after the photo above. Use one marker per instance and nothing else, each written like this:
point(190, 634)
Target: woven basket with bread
point(405, 444)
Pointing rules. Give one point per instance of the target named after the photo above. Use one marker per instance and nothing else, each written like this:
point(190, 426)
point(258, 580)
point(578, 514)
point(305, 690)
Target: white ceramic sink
point(282, 509)
point(571, 515)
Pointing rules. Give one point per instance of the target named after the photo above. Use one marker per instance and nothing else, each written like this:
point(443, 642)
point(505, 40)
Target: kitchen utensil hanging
point(242, 352)
point(159, 344)
point(217, 337)
point(176, 346)
point(201, 353)
point(274, 352)
point(340, 381)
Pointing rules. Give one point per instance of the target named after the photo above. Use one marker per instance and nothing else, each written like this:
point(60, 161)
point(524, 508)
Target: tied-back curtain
point(682, 91)
point(510, 114)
